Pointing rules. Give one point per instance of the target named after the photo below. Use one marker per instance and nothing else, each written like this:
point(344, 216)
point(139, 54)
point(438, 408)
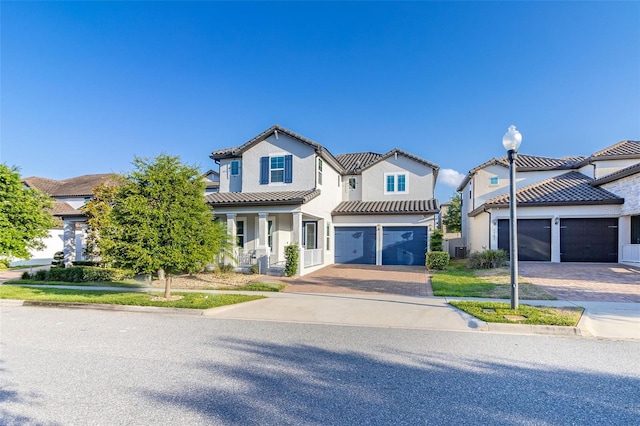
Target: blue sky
point(86, 86)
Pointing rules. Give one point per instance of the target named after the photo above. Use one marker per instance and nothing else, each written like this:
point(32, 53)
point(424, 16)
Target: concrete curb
point(106, 307)
point(554, 330)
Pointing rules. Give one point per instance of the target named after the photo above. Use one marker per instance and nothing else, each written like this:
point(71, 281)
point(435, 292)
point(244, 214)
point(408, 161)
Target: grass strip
point(188, 301)
point(535, 315)
point(458, 281)
point(254, 287)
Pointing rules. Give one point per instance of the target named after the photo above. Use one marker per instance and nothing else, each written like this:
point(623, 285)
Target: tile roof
point(526, 162)
point(387, 207)
point(569, 189)
point(261, 198)
point(73, 187)
point(623, 149)
point(357, 161)
point(622, 173)
point(238, 150)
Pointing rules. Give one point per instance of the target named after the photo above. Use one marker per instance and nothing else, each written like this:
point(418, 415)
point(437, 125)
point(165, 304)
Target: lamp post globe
point(511, 142)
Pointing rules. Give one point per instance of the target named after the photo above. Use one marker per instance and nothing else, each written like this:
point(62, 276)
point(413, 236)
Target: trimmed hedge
point(437, 260)
point(80, 274)
point(291, 254)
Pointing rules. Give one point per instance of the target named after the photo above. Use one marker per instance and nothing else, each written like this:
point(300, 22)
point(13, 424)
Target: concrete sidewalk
point(600, 319)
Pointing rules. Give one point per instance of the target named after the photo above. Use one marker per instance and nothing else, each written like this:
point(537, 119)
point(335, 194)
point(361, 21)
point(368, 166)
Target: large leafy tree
point(453, 219)
point(158, 219)
point(25, 216)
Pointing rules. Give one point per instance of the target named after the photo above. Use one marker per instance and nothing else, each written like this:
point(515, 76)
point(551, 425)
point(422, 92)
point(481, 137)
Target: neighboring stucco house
point(573, 209)
point(69, 196)
point(280, 188)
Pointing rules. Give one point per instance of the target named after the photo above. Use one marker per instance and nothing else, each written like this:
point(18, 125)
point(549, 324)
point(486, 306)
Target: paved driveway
point(602, 282)
point(364, 279)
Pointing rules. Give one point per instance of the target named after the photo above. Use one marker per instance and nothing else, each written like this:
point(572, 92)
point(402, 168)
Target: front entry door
point(310, 240)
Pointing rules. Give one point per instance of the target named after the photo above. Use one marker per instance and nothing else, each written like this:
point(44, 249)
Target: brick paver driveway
point(363, 279)
point(601, 282)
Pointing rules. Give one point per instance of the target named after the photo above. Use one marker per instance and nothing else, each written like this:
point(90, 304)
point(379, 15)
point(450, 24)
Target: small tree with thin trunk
point(25, 216)
point(453, 219)
point(160, 220)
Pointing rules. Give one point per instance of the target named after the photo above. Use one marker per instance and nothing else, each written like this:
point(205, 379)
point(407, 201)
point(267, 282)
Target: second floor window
point(395, 183)
point(235, 168)
point(493, 180)
point(276, 169)
point(319, 171)
point(352, 183)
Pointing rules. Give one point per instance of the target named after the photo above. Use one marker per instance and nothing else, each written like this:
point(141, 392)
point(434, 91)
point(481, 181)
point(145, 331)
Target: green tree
point(159, 220)
point(435, 242)
point(453, 219)
point(25, 216)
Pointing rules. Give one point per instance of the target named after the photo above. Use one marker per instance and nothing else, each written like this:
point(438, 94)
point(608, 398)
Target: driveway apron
point(364, 279)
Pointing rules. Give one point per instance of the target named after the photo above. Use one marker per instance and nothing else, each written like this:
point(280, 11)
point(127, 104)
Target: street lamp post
point(511, 142)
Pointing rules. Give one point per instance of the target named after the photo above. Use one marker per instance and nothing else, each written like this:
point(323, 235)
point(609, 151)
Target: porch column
point(297, 239)
point(69, 241)
point(232, 232)
point(555, 239)
point(262, 249)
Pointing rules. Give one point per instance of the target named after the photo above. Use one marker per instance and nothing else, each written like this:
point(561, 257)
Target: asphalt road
point(87, 367)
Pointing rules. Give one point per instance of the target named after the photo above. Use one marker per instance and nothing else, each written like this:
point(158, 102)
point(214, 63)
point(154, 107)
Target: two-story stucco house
point(69, 196)
point(573, 209)
point(280, 188)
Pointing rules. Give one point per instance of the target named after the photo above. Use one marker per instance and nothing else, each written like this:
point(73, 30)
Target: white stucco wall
point(419, 180)
point(351, 194)
point(230, 183)
point(53, 243)
point(606, 167)
point(303, 164)
point(629, 189)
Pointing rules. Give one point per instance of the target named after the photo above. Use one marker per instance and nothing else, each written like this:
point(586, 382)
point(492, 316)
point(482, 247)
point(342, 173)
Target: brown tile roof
point(526, 162)
point(238, 150)
point(387, 207)
point(569, 189)
point(80, 186)
point(622, 173)
point(261, 198)
point(357, 161)
point(623, 149)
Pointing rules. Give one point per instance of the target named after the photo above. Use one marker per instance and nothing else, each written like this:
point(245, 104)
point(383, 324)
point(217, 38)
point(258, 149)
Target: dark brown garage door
point(534, 238)
point(589, 240)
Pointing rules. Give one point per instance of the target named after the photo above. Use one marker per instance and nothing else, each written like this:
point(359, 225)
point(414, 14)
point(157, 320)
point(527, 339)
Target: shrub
point(487, 259)
point(85, 263)
point(78, 274)
point(437, 260)
point(26, 275)
point(435, 241)
point(4, 263)
point(255, 268)
point(40, 275)
point(226, 267)
point(291, 254)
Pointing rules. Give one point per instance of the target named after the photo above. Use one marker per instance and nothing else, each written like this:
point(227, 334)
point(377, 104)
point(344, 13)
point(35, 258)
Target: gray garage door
point(355, 244)
point(404, 245)
point(534, 238)
point(589, 240)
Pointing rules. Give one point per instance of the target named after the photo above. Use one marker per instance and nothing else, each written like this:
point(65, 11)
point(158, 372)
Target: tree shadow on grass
point(299, 384)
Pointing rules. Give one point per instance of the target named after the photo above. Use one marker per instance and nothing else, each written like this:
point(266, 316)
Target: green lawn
point(538, 315)
point(255, 287)
point(458, 281)
point(189, 300)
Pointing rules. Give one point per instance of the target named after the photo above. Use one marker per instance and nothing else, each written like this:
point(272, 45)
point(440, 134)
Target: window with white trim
point(319, 171)
point(240, 227)
point(395, 183)
point(493, 180)
point(328, 245)
point(277, 169)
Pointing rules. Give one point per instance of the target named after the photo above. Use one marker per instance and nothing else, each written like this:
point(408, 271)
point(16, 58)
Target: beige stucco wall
point(419, 183)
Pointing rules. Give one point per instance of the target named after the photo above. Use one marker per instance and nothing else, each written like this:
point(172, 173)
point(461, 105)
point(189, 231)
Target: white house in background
point(212, 181)
point(281, 188)
point(573, 209)
point(69, 195)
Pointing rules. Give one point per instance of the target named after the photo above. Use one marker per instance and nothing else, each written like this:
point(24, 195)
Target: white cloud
point(450, 177)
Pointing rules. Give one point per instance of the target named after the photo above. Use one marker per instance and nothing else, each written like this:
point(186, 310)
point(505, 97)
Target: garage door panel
point(534, 239)
point(355, 245)
point(404, 245)
point(589, 240)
